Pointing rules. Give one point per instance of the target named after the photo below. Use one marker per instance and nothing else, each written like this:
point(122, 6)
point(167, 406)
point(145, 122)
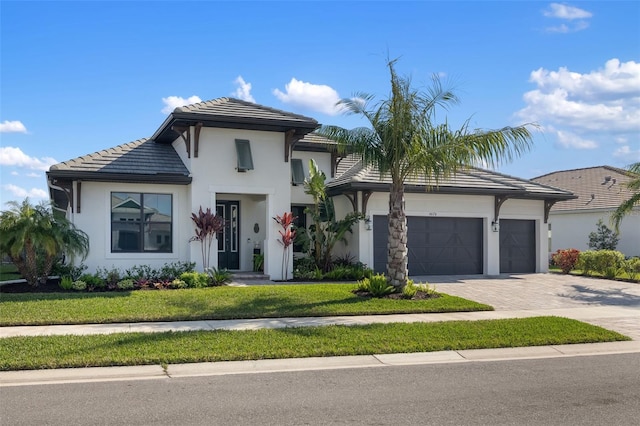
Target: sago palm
point(403, 141)
point(33, 238)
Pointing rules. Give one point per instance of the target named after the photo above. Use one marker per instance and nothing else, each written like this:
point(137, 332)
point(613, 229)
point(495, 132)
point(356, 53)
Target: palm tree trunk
point(397, 241)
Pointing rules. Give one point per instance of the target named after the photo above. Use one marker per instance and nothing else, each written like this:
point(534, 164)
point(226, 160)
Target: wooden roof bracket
point(187, 140)
point(290, 139)
point(365, 200)
point(196, 138)
point(353, 197)
point(498, 202)
point(547, 208)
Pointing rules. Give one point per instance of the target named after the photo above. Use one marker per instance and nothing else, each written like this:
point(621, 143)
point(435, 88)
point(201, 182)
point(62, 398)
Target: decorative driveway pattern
point(610, 304)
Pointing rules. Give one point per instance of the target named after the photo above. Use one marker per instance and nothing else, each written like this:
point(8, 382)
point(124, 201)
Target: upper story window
point(243, 149)
point(297, 171)
point(141, 222)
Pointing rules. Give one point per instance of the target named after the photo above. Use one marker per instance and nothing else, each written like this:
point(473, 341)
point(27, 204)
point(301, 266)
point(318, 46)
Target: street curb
point(175, 371)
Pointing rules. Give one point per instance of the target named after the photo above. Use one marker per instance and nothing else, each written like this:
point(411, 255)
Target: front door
point(229, 237)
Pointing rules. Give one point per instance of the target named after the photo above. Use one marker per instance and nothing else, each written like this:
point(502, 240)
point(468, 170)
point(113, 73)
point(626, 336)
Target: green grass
point(212, 303)
point(19, 353)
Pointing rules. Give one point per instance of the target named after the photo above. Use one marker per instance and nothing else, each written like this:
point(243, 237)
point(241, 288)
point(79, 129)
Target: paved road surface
point(594, 390)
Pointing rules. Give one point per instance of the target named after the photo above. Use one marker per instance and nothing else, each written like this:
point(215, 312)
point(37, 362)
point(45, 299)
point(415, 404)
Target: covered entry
point(517, 246)
point(436, 245)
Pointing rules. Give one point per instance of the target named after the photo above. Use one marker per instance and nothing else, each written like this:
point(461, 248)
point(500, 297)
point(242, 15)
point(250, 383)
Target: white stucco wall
point(323, 160)
point(572, 229)
point(95, 219)
point(471, 206)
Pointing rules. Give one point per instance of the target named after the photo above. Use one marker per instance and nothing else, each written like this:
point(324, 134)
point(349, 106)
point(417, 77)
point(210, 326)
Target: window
point(300, 222)
point(243, 149)
point(297, 171)
point(141, 222)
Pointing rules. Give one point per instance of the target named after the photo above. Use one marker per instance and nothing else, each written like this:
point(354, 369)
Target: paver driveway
point(610, 304)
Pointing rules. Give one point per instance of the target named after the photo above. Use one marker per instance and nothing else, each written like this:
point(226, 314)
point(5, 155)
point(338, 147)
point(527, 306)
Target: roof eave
point(119, 177)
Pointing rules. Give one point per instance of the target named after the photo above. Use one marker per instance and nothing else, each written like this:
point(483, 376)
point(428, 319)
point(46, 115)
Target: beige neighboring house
point(600, 191)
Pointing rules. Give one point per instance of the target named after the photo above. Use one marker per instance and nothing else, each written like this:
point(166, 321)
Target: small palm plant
point(208, 225)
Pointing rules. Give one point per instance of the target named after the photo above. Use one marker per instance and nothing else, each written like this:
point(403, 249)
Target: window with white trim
point(245, 160)
point(141, 222)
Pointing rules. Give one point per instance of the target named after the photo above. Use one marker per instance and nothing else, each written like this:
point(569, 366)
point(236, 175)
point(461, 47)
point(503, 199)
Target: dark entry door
point(517, 246)
point(229, 237)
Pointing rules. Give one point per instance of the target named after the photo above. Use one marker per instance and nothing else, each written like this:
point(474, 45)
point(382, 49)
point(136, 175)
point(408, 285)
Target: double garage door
point(454, 246)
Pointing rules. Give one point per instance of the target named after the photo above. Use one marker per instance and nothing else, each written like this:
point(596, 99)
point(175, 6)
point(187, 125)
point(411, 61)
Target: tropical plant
point(376, 286)
point(404, 141)
point(603, 238)
point(218, 276)
point(258, 262)
point(566, 259)
point(627, 206)
point(33, 237)
point(287, 236)
point(326, 231)
point(208, 225)
point(66, 283)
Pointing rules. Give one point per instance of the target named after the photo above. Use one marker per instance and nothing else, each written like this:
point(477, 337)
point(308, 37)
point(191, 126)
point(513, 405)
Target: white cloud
point(571, 140)
point(563, 11)
point(626, 154)
point(316, 97)
point(173, 102)
point(243, 91)
point(22, 193)
point(605, 100)
point(12, 127)
point(577, 18)
point(12, 156)
point(34, 175)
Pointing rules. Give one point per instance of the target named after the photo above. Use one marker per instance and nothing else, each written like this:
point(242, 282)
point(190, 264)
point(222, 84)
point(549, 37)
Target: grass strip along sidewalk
point(20, 353)
point(273, 301)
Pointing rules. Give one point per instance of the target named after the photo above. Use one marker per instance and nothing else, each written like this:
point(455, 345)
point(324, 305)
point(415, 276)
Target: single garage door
point(517, 246)
point(437, 245)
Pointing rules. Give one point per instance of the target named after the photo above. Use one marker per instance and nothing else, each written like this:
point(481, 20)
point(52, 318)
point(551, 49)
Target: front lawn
point(20, 353)
point(270, 301)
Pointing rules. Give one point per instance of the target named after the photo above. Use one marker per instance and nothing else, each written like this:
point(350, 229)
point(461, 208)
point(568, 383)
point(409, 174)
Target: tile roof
point(239, 109)
point(139, 158)
point(351, 171)
point(597, 187)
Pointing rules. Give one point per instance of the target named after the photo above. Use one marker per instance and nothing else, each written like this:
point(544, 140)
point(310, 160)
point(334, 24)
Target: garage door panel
point(517, 246)
point(436, 245)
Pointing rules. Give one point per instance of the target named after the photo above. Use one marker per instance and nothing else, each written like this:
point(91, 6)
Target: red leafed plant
point(566, 259)
point(287, 236)
point(207, 226)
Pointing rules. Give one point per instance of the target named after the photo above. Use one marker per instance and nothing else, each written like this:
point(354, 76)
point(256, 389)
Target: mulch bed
point(51, 286)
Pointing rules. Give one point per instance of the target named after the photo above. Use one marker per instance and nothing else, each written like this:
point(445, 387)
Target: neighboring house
point(599, 190)
point(248, 162)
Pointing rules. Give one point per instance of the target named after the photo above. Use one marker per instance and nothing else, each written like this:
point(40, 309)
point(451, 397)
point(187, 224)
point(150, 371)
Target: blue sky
point(78, 77)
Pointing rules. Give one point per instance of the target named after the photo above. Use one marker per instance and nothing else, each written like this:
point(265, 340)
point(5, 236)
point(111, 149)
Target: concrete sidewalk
point(610, 304)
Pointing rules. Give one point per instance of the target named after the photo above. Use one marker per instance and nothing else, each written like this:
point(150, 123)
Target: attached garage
point(436, 245)
point(517, 246)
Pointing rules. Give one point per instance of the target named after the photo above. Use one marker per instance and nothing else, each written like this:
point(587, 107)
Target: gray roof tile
point(589, 184)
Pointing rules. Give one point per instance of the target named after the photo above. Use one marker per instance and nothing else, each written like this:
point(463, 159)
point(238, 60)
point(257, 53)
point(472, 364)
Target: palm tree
point(627, 206)
point(403, 141)
point(33, 238)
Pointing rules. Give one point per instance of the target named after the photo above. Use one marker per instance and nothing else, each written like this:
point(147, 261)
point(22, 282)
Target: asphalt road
point(588, 390)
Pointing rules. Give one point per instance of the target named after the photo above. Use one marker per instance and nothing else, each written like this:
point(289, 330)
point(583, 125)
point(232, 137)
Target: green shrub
point(631, 267)
point(93, 281)
point(217, 277)
point(604, 262)
point(171, 271)
point(377, 285)
point(566, 260)
point(409, 290)
point(79, 285)
point(195, 279)
point(338, 273)
point(66, 283)
point(178, 283)
point(71, 271)
point(126, 284)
